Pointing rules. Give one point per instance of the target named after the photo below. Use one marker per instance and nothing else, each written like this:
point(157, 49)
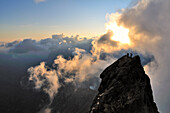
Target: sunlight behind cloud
point(120, 33)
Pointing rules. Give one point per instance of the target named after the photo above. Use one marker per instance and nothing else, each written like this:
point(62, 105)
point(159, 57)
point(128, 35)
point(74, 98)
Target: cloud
point(61, 61)
point(55, 44)
point(27, 53)
point(10, 44)
point(38, 1)
point(45, 79)
point(82, 71)
point(84, 66)
point(81, 68)
point(27, 45)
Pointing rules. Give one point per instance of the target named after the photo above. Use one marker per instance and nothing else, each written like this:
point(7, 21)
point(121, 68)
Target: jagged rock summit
point(125, 88)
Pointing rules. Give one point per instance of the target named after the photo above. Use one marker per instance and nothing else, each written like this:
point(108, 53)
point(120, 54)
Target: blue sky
point(28, 19)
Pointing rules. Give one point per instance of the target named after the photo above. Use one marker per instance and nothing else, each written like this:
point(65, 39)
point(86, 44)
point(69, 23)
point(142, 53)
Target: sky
point(39, 19)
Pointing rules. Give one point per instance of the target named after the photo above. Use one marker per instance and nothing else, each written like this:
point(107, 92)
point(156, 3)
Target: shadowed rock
point(125, 88)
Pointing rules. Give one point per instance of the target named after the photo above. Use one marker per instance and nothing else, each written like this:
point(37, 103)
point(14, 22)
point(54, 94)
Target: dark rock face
point(125, 88)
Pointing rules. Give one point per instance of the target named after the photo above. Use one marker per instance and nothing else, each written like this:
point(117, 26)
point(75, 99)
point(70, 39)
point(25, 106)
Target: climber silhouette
point(131, 55)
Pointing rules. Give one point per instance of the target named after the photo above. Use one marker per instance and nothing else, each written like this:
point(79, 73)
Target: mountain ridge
point(125, 88)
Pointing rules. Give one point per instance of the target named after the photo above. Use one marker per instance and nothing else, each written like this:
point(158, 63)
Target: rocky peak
point(125, 88)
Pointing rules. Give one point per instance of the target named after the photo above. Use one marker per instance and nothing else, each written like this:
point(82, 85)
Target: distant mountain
point(73, 100)
point(125, 88)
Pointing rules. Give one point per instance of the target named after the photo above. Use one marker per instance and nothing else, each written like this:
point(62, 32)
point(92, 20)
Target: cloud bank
point(68, 60)
point(38, 1)
point(83, 68)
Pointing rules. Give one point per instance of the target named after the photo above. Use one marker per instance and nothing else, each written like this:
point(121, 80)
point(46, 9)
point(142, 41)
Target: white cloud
point(41, 75)
point(38, 1)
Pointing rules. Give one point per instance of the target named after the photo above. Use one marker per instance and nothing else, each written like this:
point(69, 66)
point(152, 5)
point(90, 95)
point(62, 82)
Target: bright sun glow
point(120, 33)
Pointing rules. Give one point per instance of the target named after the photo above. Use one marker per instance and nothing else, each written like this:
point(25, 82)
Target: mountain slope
point(125, 88)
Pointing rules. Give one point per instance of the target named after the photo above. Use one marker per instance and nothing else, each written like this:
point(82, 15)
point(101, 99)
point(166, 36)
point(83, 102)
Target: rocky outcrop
point(125, 88)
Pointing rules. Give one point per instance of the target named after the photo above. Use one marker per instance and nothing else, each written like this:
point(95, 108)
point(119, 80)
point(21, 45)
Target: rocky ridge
point(125, 88)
